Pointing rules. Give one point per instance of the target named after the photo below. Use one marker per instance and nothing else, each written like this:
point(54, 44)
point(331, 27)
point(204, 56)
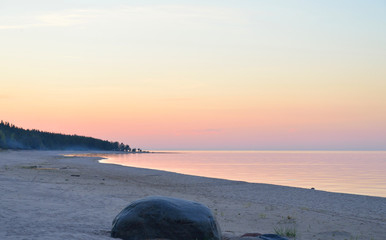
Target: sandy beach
point(46, 195)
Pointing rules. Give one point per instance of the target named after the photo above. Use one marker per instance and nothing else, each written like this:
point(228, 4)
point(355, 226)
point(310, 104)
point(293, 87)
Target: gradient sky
point(253, 75)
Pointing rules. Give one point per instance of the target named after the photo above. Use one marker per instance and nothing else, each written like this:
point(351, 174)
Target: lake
point(353, 172)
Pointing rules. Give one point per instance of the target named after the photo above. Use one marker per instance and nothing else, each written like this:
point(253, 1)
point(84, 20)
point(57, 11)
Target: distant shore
point(45, 195)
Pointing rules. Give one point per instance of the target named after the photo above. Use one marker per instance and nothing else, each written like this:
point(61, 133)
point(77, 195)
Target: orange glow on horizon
point(202, 76)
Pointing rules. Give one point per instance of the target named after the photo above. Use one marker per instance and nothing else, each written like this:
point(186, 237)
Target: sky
point(207, 75)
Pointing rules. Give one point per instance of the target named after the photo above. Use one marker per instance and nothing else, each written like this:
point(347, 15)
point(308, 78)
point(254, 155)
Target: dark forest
point(12, 137)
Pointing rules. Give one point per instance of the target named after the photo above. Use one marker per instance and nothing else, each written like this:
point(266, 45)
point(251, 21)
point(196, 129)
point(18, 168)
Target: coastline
point(339, 172)
point(50, 196)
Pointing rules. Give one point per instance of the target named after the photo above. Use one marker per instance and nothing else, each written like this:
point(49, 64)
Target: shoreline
point(242, 181)
point(100, 159)
point(51, 196)
point(329, 179)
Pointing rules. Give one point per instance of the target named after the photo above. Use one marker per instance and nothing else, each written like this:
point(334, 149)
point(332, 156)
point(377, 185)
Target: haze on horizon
point(225, 75)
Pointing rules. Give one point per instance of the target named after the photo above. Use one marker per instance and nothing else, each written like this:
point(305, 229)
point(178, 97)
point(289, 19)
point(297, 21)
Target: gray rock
point(165, 218)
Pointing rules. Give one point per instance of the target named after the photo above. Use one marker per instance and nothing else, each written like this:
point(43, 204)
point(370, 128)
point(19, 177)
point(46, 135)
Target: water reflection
point(348, 172)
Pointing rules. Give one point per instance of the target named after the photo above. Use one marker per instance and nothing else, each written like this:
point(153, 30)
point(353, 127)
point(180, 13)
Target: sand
point(45, 195)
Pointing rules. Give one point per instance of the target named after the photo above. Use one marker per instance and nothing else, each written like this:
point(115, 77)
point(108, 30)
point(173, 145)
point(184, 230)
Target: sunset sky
point(224, 75)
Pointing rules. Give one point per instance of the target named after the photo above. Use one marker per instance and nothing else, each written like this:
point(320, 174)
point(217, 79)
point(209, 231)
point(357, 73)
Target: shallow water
point(347, 172)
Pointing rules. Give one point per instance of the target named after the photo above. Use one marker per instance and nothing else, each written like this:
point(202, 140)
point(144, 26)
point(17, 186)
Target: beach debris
point(337, 234)
point(251, 235)
point(36, 167)
point(271, 237)
point(254, 236)
point(160, 217)
point(30, 167)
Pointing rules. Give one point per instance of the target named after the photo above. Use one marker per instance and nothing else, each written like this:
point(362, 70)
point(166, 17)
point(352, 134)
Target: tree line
point(12, 137)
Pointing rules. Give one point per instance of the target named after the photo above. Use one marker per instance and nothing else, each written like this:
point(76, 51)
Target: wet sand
point(45, 195)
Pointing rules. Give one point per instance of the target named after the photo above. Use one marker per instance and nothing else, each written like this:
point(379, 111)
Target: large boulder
point(165, 218)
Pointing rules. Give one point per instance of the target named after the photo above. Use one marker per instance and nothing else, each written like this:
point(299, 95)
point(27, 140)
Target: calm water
point(348, 172)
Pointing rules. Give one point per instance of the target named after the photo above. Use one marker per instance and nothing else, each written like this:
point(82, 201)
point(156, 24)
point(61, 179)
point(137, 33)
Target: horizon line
point(275, 150)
